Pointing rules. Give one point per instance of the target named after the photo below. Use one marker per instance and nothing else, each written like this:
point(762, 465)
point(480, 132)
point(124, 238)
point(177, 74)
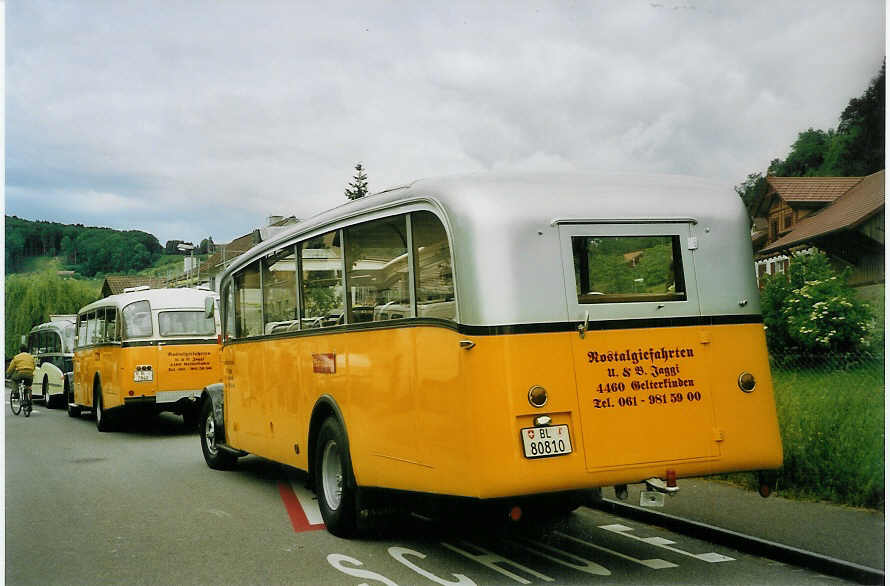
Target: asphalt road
point(139, 506)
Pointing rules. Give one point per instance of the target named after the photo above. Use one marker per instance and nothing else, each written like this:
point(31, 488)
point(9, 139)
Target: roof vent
point(134, 289)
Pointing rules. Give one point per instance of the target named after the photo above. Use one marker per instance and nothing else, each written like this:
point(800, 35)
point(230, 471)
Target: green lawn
point(832, 422)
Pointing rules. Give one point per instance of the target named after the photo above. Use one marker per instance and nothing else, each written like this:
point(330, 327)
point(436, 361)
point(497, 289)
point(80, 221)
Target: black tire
point(334, 480)
point(190, 418)
point(27, 404)
point(103, 422)
point(216, 457)
point(72, 408)
point(15, 401)
point(45, 390)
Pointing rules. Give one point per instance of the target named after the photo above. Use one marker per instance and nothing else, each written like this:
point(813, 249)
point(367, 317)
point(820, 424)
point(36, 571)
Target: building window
point(786, 221)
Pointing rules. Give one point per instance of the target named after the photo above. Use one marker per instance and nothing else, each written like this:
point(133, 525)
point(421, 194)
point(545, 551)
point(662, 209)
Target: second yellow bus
point(145, 350)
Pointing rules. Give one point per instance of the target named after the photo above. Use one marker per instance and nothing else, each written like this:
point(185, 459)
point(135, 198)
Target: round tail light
point(537, 396)
point(747, 382)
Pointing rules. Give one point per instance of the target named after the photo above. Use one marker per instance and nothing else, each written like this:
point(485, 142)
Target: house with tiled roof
point(842, 216)
point(115, 284)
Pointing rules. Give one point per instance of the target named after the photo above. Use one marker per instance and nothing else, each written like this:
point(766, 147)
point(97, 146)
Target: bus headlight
point(537, 396)
point(143, 373)
point(747, 382)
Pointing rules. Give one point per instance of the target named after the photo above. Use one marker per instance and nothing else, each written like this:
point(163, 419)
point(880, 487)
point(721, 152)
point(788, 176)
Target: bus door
point(640, 352)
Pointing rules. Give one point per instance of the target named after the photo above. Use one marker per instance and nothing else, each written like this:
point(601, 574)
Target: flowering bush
point(814, 310)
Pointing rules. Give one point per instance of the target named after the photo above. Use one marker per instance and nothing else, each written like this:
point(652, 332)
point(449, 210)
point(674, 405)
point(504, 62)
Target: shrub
point(814, 310)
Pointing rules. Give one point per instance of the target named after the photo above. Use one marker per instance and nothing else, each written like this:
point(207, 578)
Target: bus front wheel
point(45, 390)
point(334, 482)
point(210, 434)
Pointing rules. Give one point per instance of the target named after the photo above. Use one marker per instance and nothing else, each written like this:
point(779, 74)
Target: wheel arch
point(215, 393)
point(326, 406)
point(97, 384)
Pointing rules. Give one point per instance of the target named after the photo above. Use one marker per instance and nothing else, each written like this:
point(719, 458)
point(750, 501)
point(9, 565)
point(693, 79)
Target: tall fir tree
point(359, 186)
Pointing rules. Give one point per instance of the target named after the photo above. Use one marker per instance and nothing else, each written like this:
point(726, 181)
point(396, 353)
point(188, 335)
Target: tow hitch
point(656, 488)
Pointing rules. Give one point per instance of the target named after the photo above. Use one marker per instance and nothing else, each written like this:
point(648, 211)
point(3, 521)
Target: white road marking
point(577, 563)
point(654, 563)
point(491, 560)
point(710, 557)
point(308, 501)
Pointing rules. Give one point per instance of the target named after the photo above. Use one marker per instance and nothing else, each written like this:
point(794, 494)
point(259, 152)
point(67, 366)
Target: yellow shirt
point(23, 363)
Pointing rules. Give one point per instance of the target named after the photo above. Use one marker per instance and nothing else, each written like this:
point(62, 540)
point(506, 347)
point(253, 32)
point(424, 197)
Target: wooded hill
point(86, 249)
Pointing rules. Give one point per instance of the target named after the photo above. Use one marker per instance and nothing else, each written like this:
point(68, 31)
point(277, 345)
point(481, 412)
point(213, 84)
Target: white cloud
point(228, 112)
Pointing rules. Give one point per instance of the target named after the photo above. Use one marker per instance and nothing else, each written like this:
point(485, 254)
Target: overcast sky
point(193, 119)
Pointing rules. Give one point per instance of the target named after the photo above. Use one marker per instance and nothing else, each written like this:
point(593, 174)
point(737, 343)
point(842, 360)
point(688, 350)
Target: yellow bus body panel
point(175, 367)
point(422, 414)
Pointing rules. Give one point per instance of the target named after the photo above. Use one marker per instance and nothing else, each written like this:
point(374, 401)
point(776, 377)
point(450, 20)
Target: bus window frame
point(125, 334)
point(631, 309)
point(410, 284)
point(269, 259)
point(405, 209)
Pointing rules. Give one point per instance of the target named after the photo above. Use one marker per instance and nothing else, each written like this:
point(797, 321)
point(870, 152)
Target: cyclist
point(21, 368)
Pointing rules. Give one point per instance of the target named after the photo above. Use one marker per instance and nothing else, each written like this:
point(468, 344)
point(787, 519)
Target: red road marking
point(295, 510)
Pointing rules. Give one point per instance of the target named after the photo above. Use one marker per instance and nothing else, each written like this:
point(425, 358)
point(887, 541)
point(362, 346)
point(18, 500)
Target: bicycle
point(20, 399)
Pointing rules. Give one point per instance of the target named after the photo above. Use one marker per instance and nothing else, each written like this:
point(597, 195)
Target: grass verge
point(832, 424)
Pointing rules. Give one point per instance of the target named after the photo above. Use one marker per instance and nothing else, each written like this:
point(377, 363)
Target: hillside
point(87, 250)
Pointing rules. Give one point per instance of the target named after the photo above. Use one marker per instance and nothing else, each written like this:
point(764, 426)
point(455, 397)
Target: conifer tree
point(359, 186)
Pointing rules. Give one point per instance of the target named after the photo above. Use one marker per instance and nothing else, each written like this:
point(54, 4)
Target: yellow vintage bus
point(145, 350)
point(514, 340)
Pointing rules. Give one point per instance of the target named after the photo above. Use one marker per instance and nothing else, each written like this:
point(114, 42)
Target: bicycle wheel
point(15, 402)
point(26, 404)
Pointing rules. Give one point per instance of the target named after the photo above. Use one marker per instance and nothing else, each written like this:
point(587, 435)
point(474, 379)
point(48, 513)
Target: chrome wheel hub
point(332, 475)
point(210, 435)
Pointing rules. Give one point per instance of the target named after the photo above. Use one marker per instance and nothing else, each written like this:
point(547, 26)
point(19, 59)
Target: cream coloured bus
point(52, 345)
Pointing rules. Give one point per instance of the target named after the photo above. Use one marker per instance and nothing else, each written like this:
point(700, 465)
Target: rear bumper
point(175, 401)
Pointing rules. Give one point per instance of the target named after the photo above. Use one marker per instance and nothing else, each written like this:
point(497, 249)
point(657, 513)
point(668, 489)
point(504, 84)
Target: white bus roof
point(159, 299)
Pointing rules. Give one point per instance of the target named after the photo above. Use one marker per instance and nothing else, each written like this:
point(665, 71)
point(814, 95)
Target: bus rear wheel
point(73, 409)
point(334, 481)
point(216, 457)
point(103, 423)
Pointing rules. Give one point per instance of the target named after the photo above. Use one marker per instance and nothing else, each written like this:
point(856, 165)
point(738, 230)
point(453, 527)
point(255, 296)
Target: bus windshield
point(137, 320)
point(185, 323)
point(68, 337)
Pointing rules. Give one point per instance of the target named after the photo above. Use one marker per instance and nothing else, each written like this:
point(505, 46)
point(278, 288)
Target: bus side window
point(377, 268)
point(91, 328)
point(321, 281)
point(100, 333)
point(280, 291)
point(228, 302)
point(137, 320)
point(112, 327)
point(82, 331)
point(248, 302)
point(432, 267)
point(32, 343)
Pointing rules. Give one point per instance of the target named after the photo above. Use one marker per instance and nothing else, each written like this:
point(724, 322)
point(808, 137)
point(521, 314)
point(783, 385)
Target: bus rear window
point(623, 269)
point(185, 323)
